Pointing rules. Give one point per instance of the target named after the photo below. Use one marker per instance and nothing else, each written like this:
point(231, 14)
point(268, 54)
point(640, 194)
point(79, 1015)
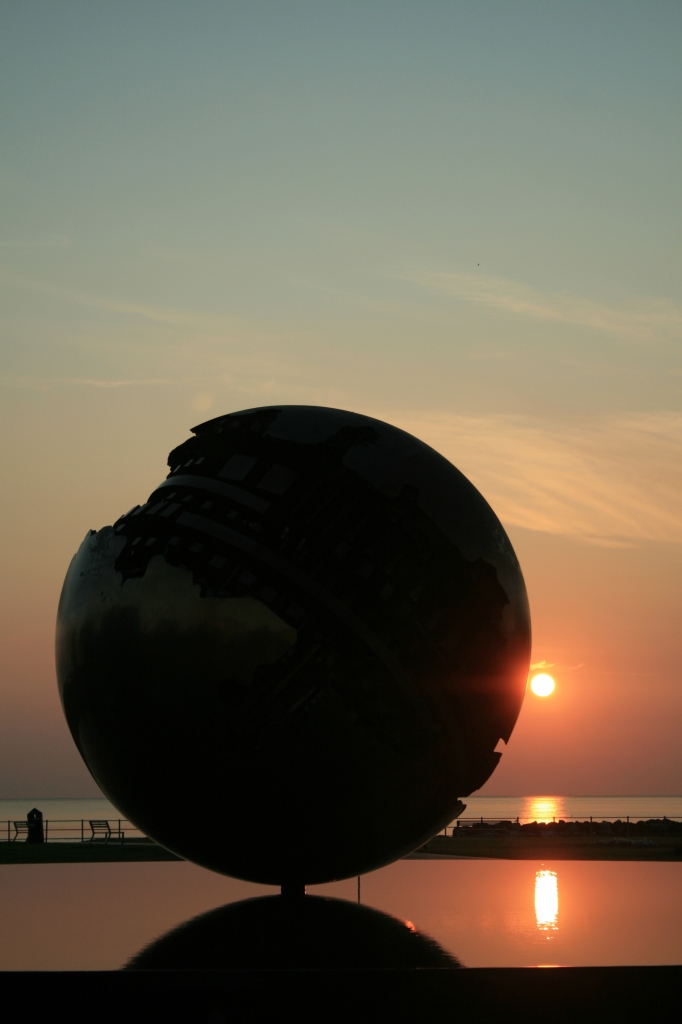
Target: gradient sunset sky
point(461, 217)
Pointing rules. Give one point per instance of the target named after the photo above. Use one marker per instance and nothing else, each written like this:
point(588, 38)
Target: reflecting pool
point(481, 912)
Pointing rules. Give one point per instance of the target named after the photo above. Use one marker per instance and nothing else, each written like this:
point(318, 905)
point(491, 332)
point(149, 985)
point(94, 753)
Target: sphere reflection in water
point(546, 901)
point(278, 932)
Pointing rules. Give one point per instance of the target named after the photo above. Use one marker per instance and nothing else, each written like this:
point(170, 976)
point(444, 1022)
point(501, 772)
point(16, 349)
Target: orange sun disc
point(542, 685)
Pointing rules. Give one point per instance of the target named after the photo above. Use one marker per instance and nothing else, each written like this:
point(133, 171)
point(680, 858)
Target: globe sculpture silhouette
point(297, 656)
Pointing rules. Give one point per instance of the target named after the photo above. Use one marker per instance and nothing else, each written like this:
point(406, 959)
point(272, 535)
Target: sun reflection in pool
point(546, 901)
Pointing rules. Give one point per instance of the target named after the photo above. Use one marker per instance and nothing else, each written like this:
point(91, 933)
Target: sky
point(461, 217)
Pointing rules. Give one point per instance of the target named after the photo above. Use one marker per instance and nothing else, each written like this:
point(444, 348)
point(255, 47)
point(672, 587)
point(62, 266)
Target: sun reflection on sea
point(546, 901)
point(543, 808)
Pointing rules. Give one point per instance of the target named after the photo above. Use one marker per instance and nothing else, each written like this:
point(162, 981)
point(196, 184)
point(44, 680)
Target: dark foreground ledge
point(507, 995)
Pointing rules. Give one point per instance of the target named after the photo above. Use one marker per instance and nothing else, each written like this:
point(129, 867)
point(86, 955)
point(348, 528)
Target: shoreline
point(83, 853)
point(458, 847)
point(542, 847)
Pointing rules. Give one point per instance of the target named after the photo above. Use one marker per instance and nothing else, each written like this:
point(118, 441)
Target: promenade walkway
point(80, 841)
point(77, 841)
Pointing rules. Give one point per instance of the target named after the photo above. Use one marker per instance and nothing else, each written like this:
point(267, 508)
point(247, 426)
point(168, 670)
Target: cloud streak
point(55, 242)
point(212, 325)
point(608, 480)
point(644, 322)
point(36, 383)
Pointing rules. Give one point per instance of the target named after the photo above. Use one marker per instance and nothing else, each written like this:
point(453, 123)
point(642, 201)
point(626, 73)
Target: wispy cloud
point(37, 383)
point(543, 664)
point(643, 321)
point(211, 325)
point(53, 242)
point(609, 480)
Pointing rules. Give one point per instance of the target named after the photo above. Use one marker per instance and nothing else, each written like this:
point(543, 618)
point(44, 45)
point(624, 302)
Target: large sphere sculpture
point(291, 662)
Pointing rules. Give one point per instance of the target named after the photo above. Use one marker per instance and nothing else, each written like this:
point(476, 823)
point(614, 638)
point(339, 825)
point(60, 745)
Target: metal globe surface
point(291, 662)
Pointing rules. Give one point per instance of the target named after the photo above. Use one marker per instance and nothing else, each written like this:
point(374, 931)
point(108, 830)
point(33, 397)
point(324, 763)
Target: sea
point(498, 808)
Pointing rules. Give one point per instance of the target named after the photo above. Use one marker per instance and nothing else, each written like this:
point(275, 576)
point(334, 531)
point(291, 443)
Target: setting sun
point(542, 685)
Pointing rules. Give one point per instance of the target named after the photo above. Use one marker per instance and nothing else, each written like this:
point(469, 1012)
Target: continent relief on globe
point(295, 658)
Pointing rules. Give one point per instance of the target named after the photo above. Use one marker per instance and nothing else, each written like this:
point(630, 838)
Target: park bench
point(20, 829)
point(102, 830)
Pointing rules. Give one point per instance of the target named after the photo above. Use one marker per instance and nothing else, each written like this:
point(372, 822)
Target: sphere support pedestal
point(293, 890)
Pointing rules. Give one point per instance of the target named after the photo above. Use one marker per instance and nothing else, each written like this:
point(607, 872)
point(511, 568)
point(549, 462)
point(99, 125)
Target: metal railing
point(72, 830)
point(83, 830)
